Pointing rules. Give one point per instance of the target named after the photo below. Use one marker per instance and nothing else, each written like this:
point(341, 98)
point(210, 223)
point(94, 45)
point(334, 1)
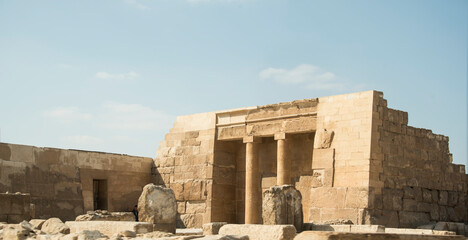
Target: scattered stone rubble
point(103, 215)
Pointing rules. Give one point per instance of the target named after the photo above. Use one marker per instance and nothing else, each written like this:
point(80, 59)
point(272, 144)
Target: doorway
point(100, 194)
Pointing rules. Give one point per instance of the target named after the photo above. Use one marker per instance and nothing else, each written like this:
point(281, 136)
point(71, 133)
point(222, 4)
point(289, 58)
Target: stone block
point(410, 205)
point(367, 228)
point(357, 197)
point(323, 158)
point(333, 228)
point(413, 219)
point(192, 220)
point(443, 198)
point(427, 195)
point(195, 207)
point(260, 232)
point(193, 190)
point(110, 228)
point(393, 199)
point(157, 205)
point(212, 228)
point(323, 138)
point(282, 205)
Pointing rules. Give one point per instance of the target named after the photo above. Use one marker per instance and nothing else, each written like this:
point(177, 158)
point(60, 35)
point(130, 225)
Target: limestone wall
point(185, 163)
point(412, 178)
point(345, 163)
point(60, 181)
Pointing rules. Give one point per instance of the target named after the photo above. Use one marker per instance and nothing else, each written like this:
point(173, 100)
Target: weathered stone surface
point(128, 233)
point(189, 232)
point(212, 228)
point(55, 225)
point(110, 228)
point(260, 232)
point(17, 232)
point(282, 205)
point(155, 234)
point(37, 223)
point(157, 205)
point(103, 215)
point(323, 138)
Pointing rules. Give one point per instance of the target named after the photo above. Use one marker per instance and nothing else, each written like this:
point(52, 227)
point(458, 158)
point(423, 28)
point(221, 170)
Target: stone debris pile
point(103, 215)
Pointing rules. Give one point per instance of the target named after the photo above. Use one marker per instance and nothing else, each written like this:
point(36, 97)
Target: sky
point(112, 75)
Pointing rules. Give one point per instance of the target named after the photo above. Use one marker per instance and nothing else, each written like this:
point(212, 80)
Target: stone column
point(252, 181)
point(283, 166)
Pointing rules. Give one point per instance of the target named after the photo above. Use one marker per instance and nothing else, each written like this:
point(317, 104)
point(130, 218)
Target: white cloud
point(119, 76)
point(136, 4)
point(67, 114)
point(309, 76)
point(133, 117)
point(81, 140)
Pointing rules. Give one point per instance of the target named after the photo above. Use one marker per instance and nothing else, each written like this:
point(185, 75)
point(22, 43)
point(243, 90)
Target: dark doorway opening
point(100, 194)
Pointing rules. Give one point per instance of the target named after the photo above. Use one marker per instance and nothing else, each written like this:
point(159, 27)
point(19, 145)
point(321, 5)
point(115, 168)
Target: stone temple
point(351, 157)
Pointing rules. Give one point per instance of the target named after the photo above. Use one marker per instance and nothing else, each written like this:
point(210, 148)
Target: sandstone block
point(260, 232)
point(192, 220)
point(282, 205)
point(323, 138)
point(157, 205)
point(109, 228)
point(55, 225)
point(212, 228)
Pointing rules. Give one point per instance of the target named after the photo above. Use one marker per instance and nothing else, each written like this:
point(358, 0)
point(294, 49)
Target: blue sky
point(112, 75)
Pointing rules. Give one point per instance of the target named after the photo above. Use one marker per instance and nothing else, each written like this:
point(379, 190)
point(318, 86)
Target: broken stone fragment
point(157, 205)
point(282, 205)
point(212, 228)
point(37, 223)
point(106, 216)
point(55, 225)
point(323, 138)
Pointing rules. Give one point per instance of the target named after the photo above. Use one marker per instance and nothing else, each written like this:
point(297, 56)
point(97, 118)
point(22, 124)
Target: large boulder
point(157, 205)
point(282, 205)
point(54, 226)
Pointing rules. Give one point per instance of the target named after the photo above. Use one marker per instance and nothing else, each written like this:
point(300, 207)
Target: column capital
point(252, 139)
point(280, 136)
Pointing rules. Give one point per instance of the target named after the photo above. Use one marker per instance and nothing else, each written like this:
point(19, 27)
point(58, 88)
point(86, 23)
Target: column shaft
point(252, 188)
point(283, 173)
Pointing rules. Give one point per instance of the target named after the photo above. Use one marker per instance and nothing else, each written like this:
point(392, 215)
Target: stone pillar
point(283, 173)
point(252, 181)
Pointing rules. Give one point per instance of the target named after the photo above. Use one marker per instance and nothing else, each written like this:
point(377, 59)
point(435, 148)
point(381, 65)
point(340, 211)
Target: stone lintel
point(280, 136)
point(252, 139)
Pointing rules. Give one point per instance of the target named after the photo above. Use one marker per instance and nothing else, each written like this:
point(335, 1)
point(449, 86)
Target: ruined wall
point(15, 207)
point(343, 164)
point(413, 180)
point(184, 163)
point(60, 181)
